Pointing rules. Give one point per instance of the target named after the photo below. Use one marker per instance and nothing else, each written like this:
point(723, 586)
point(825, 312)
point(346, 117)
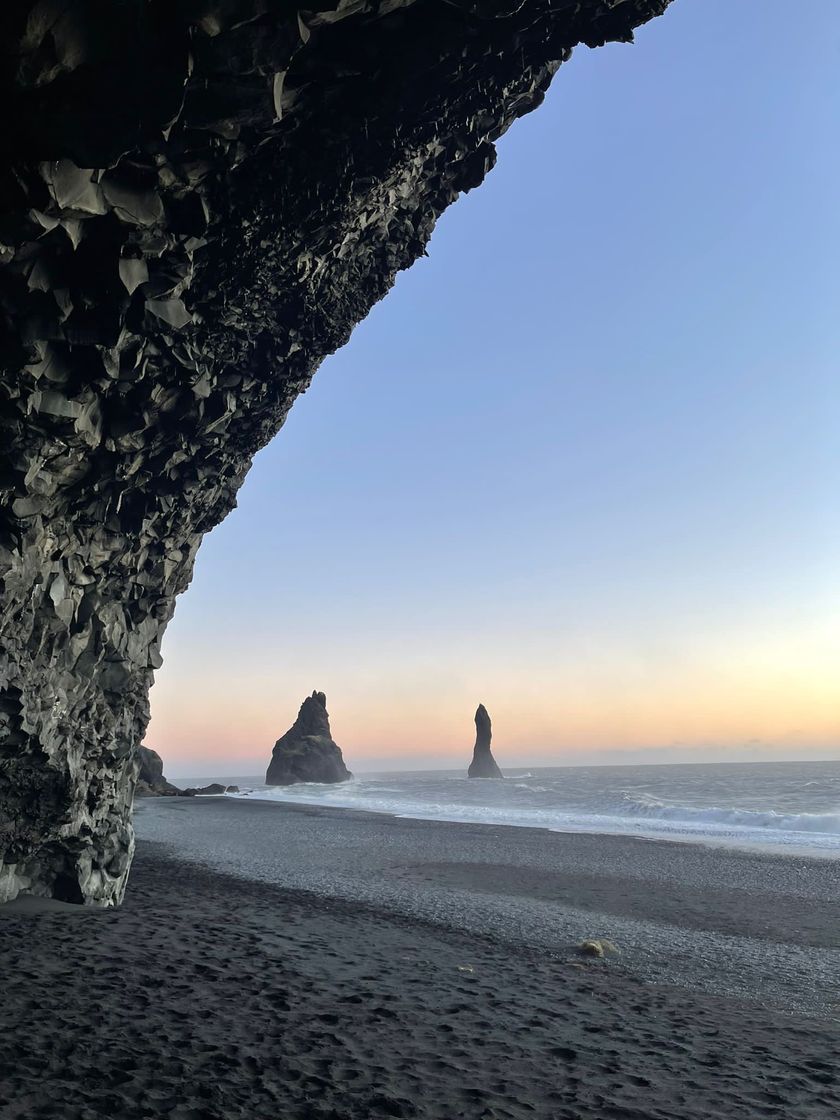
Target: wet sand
point(210, 996)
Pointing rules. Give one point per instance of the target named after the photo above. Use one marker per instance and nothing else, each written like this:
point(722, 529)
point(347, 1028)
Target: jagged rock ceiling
point(199, 199)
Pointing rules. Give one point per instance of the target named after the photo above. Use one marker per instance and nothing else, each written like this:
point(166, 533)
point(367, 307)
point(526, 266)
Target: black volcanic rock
point(198, 202)
point(307, 753)
point(150, 779)
point(483, 764)
point(213, 790)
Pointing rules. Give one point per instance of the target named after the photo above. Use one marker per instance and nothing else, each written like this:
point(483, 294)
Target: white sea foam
point(651, 808)
point(782, 813)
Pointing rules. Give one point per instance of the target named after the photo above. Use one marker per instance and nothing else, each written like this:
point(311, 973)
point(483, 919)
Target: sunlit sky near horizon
point(583, 463)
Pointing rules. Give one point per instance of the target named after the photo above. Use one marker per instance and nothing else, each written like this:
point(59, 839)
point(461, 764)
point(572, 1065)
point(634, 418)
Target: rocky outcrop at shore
point(198, 203)
point(307, 753)
point(150, 779)
point(215, 789)
point(483, 764)
point(152, 783)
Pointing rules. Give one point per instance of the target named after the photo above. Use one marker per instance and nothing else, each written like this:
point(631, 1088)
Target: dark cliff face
point(483, 764)
point(307, 753)
point(199, 199)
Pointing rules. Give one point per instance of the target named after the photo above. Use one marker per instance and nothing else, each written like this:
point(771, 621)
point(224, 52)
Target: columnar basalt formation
point(199, 199)
point(307, 753)
point(483, 763)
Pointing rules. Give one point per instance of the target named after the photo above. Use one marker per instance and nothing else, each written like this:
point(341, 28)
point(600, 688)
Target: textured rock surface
point(199, 199)
point(483, 764)
point(150, 779)
point(307, 753)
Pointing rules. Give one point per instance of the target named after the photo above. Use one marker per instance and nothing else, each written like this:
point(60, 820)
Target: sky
point(582, 464)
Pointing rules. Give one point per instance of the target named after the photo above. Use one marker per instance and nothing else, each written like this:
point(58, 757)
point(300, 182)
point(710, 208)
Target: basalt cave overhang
point(199, 199)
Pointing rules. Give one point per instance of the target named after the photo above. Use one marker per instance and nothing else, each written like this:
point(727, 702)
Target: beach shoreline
point(215, 996)
point(738, 924)
point(710, 841)
point(774, 808)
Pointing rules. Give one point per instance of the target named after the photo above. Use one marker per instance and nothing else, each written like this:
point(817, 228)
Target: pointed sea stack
point(483, 764)
point(307, 753)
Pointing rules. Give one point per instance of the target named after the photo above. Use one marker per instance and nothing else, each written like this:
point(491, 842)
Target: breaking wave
point(648, 807)
point(690, 804)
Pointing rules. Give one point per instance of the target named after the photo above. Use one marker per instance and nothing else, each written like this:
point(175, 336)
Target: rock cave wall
point(199, 199)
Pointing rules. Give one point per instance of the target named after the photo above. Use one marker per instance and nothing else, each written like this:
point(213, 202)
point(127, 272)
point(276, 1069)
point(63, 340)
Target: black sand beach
point(736, 923)
point(210, 995)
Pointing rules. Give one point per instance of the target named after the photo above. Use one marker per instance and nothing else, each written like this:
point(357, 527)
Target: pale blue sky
point(583, 462)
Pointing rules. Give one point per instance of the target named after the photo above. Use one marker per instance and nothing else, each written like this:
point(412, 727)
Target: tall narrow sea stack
point(307, 753)
point(483, 764)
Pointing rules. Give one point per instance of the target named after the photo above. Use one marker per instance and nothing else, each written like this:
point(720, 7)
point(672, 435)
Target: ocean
point(779, 805)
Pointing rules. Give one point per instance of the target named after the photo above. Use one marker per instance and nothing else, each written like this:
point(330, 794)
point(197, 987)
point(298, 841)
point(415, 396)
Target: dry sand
point(212, 997)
